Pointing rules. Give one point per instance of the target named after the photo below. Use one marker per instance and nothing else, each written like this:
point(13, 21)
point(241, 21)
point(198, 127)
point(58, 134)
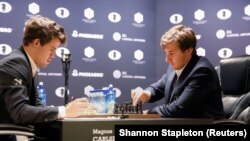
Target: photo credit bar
point(181, 132)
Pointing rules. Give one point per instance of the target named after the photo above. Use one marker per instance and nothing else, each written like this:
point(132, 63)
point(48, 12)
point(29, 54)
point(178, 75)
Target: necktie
point(35, 80)
point(171, 88)
point(173, 83)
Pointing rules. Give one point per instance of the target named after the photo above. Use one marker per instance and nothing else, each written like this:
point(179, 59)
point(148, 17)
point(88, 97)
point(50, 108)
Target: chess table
point(102, 126)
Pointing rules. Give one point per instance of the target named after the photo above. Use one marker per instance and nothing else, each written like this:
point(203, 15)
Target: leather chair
point(234, 74)
point(15, 131)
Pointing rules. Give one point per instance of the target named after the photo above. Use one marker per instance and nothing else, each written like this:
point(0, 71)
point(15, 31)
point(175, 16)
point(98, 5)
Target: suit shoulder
point(15, 64)
point(204, 62)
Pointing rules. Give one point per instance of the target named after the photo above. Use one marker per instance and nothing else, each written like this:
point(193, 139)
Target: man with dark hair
point(19, 100)
point(190, 86)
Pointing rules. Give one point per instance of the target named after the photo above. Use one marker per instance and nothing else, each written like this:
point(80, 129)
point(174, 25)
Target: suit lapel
point(175, 93)
point(32, 84)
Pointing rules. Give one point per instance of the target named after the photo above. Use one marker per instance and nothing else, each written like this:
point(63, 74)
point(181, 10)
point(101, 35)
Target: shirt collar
point(178, 72)
point(34, 68)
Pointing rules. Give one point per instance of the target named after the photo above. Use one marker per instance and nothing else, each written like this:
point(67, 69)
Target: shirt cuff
point(61, 112)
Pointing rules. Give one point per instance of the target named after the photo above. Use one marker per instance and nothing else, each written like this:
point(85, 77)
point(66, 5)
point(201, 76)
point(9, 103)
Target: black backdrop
point(117, 42)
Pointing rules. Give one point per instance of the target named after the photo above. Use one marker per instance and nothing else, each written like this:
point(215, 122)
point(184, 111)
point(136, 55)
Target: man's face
point(175, 57)
point(45, 53)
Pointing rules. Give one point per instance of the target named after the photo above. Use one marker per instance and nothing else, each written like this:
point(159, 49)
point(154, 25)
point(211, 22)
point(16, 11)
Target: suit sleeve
point(15, 97)
point(157, 89)
point(200, 85)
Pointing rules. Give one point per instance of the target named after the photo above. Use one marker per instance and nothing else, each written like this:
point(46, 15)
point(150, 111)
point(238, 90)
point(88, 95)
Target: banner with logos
point(110, 42)
point(221, 27)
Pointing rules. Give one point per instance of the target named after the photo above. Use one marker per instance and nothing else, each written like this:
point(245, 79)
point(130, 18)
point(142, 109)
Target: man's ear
point(190, 50)
point(36, 42)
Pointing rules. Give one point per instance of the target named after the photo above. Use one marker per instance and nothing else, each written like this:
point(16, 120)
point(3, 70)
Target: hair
point(182, 35)
point(44, 29)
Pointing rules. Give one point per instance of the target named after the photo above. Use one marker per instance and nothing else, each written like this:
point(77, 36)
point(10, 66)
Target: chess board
point(142, 116)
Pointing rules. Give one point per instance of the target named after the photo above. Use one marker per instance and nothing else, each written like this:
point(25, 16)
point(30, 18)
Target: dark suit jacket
point(196, 94)
point(18, 96)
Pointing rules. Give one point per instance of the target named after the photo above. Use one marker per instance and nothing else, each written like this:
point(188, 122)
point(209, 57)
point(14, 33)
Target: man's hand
point(140, 96)
point(78, 107)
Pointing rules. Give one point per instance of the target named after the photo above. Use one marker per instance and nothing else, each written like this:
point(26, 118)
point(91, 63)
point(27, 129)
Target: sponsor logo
point(89, 52)
point(199, 15)
point(6, 29)
point(198, 36)
point(117, 36)
point(247, 10)
point(62, 50)
point(60, 91)
point(114, 55)
point(34, 8)
point(221, 34)
point(138, 55)
point(5, 7)
point(77, 34)
point(76, 73)
point(247, 13)
point(224, 14)
point(248, 50)
point(87, 90)
point(201, 51)
point(225, 53)
point(89, 14)
point(114, 17)
point(118, 92)
point(138, 19)
point(62, 12)
point(176, 18)
point(123, 37)
point(5, 49)
point(50, 74)
point(117, 74)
